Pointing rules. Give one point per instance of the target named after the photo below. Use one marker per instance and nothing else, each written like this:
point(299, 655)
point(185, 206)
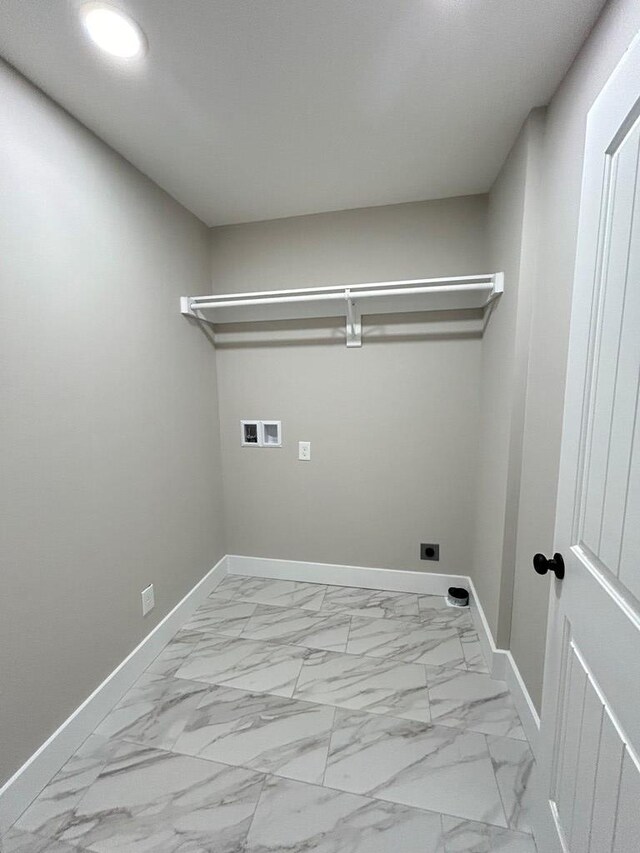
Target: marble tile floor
point(288, 717)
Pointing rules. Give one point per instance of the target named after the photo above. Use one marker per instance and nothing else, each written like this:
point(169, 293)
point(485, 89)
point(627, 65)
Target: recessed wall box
point(429, 551)
point(250, 434)
point(271, 433)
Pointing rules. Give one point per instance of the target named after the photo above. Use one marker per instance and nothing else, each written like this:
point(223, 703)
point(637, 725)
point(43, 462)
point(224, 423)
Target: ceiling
point(257, 109)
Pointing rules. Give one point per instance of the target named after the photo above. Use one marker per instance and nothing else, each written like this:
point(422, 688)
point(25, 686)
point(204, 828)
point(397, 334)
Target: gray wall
point(393, 425)
point(563, 149)
point(513, 225)
point(109, 454)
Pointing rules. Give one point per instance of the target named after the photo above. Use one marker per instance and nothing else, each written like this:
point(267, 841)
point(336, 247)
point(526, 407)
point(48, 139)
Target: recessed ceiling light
point(112, 30)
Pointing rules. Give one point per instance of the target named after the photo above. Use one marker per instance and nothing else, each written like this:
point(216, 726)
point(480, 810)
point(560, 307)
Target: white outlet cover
point(304, 451)
point(148, 599)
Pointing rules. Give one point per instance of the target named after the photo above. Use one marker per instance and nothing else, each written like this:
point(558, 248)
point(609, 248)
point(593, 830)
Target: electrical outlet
point(304, 451)
point(148, 599)
point(429, 551)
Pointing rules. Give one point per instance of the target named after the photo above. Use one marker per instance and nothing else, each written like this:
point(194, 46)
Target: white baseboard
point(18, 792)
point(522, 700)
point(503, 667)
point(394, 580)
point(489, 649)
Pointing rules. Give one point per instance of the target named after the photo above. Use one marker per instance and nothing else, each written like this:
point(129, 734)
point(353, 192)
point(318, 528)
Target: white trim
point(504, 668)
point(394, 580)
point(522, 700)
point(19, 791)
point(489, 648)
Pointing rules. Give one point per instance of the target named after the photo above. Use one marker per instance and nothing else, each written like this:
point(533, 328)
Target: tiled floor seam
point(268, 774)
point(441, 815)
point(495, 776)
point(276, 642)
point(368, 796)
point(253, 816)
point(310, 701)
point(351, 654)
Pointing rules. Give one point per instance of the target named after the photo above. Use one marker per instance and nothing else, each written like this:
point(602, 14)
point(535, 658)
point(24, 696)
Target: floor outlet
point(148, 599)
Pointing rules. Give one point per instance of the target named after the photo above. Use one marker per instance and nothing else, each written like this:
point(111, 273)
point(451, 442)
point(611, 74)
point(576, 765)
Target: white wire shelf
point(352, 301)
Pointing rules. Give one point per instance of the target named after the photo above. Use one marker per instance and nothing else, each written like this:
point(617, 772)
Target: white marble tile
point(514, 767)
point(154, 711)
point(269, 733)
point(474, 659)
point(246, 664)
point(474, 701)
point(406, 640)
point(230, 585)
point(171, 658)
point(294, 818)
point(315, 630)
point(17, 841)
point(429, 767)
point(149, 800)
point(463, 836)
point(56, 802)
point(434, 609)
point(277, 593)
point(220, 615)
point(364, 683)
point(370, 602)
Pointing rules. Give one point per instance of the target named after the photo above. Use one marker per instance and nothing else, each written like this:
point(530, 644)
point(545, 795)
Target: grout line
point(346, 645)
point(136, 743)
point(326, 763)
point(213, 634)
point(495, 776)
point(262, 787)
point(441, 843)
point(366, 796)
point(295, 686)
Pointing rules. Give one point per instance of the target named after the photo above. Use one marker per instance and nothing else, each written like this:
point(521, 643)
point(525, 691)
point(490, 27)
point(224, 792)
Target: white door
point(589, 800)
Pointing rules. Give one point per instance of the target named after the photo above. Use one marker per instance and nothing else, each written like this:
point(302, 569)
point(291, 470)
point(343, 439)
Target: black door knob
point(542, 565)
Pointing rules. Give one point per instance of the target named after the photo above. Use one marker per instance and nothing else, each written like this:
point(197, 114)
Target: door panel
point(630, 557)
point(628, 824)
point(588, 769)
point(595, 769)
point(605, 800)
point(616, 360)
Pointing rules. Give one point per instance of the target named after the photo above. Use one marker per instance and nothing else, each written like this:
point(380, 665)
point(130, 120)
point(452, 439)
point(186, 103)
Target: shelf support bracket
point(188, 309)
point(354, 322)
point(185, 307)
